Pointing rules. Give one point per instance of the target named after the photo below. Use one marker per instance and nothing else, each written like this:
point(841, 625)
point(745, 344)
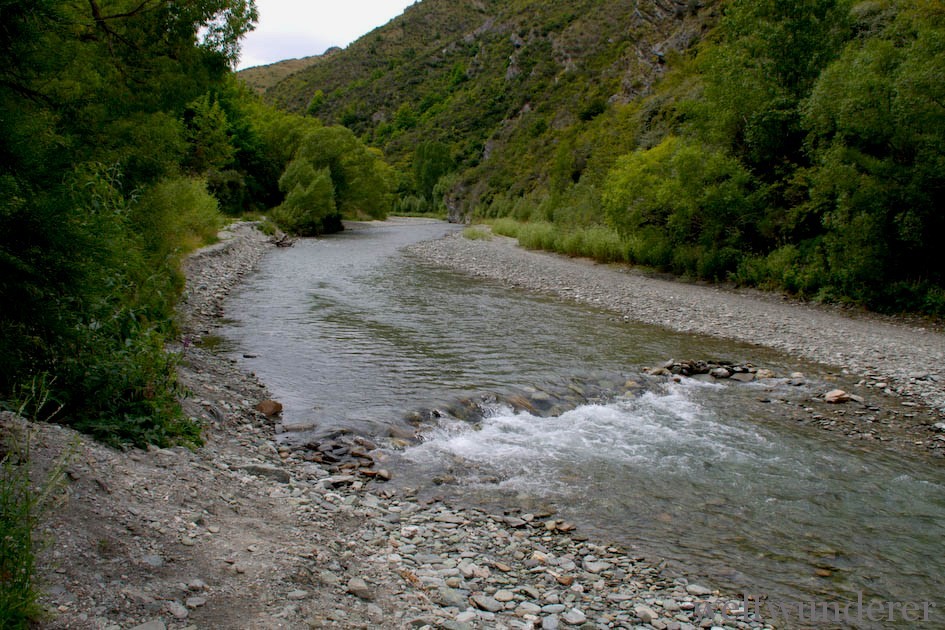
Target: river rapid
point(351, 333)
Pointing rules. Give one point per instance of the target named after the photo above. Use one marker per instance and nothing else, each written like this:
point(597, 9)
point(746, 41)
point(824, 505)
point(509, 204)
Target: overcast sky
point(290, 29)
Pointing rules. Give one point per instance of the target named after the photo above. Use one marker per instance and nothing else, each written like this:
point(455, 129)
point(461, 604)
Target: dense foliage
point(94, 144)
point(816, 137)
point(792, 144)
point(124, 140)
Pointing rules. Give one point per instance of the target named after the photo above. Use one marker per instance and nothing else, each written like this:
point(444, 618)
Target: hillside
point(261, 78)
point(794, 145)
point(495, 81)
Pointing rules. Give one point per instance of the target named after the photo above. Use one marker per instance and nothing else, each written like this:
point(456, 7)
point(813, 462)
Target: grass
point(595, 241)
point(477, 233)
point(21, 507)
point(432, 214)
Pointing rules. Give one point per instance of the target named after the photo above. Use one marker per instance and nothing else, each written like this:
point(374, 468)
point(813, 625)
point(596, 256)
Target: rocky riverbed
point(244, 533)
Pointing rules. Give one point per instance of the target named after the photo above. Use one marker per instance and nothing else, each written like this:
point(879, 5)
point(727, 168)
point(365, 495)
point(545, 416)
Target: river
point(350, 332)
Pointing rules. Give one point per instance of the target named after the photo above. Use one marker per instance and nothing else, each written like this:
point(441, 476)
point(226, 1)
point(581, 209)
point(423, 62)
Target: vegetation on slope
point(795, 145)
point(124, 141)
point(261, 78)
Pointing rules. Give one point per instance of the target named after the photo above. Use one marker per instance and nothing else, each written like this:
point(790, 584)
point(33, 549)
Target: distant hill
point(497, 81)
point(261, 78)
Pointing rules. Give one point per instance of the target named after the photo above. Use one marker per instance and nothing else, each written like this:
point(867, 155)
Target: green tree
point(431, 161)
point(309, 208)
point(683, 206)
point(362, 180)
point(877, 133)
point(92, 94)
point(767, 57)
point(208, 135)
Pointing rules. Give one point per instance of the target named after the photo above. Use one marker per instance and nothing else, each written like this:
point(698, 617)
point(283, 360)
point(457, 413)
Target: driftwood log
point(283, 241)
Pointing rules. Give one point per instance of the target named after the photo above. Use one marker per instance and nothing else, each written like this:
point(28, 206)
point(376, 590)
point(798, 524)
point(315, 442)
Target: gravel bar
point(909, 357)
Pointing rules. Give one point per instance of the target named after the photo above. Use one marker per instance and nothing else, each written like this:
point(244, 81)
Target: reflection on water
point(351, 333)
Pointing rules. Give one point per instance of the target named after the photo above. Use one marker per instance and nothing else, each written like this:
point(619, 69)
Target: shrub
point(175, 217)
point(309, 207)
point(506, 227)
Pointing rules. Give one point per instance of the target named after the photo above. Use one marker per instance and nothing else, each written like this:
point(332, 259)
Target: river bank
point(244, 534)
point(896, 364)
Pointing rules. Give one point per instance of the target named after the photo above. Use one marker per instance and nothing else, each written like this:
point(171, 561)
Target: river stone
point(698, 590)
point(270, 472)
point(269, 408)
point(645, 613)
point(574, 617)
point(177, 609)
point(720, 372)
point(155, 624)
point(595, 566)
point(153, 561)
point(743, 377)
point(836, 396)
point(550, 623)
point(504, 596)
point(484, 602)
point(466, 616)
point(448, 597)
point(360, 589)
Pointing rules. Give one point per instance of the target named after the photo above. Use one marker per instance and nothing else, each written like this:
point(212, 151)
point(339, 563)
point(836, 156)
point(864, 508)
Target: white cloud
point(289, 29)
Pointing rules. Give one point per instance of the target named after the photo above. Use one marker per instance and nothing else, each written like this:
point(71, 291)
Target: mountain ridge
point(478, 76)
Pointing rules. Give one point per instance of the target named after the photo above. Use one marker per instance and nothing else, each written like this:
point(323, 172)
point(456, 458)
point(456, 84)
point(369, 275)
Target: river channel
point(350, 332)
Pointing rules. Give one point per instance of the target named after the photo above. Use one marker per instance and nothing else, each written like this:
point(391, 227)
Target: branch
point(131, 13)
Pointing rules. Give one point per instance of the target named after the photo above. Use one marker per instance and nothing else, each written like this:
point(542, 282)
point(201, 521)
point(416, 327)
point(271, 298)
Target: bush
point(176, 216)
point(477, 234)
point(18, 595)
point(309, 207)
point(506, 227)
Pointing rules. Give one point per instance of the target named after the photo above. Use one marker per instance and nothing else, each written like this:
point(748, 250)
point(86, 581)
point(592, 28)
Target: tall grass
point(21, 506)
point(477, 233)
point(176, 216)
point(595, 241)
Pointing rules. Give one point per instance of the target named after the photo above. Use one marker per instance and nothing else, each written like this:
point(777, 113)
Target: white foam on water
point(667, 432)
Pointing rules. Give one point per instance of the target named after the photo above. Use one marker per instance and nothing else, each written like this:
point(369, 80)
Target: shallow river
point(351, 333)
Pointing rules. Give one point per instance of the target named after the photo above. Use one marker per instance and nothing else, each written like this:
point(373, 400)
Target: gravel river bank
point(244, 533)
point(900, 360)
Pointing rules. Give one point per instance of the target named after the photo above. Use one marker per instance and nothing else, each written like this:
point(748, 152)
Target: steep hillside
point(498, 82)
point(261, 78)
point(794, 145)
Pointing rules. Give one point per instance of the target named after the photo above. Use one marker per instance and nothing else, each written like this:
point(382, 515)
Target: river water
point(349, 332)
